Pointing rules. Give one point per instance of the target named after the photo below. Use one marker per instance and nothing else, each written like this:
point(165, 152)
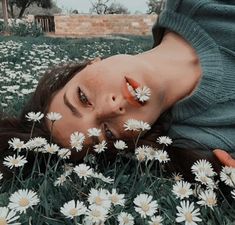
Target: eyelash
point(106, 130)
point(86, 102)
point(82, 95)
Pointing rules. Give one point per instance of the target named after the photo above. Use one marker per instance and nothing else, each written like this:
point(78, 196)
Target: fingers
point(224, 157)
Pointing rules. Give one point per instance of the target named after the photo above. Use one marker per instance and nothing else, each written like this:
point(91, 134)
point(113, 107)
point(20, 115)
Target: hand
point(225, 158)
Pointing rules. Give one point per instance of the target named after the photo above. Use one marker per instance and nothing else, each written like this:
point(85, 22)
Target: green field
point(22, 61)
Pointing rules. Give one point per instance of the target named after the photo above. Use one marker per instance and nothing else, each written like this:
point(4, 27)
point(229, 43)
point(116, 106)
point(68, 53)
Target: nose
point(112, 106)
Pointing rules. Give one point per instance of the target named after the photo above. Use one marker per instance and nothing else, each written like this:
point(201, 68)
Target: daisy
point(76, 140)
point(182, 189)
point(204, 179)
point(125, 219)
point(145, 206)
point(83, 171)
point(60, 180)
point(162, 156)
point(16, 144)
point(150, 153)
point(227, 175)
point(53, 116)
point(23, 199)
point(7, 217)
point(94, 132)
point(101, 147)
point(68, 169)
point(142, 93)
point(36, 142)
point(73, 208)
point(233, 194)
point(99, 198)
point(177, 176)
point(64, 153)
point(120, 145)
point(208, 198)
point(103, 178)
point(136, 125)
point(164, 140)
point(36, 117)
point(188, 213)
point(140, 153)
point(144, 125)
point(156, 220)
point(96, 215)
point(51, 148)
point(14, 161)
point(203, 165)
point(116, 199)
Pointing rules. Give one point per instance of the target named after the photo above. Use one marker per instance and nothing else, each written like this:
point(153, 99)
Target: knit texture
point(206, 119)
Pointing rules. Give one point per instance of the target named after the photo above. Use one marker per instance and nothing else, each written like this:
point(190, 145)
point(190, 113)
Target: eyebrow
point(73, 109)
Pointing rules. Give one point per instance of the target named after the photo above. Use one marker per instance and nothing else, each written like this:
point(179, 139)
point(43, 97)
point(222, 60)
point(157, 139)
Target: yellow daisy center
point(182, 191)
point(96, 213)
point(114, 199)
point(73, 212)
point(211, 201)
point(23, 202)
point(126, 220)
point(188, 217)
point(3, 221)
point(98, 200)
point(145, 207)
point(15, 161)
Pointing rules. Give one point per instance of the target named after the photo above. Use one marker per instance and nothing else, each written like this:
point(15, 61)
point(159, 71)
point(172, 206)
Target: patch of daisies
point(92, 197)
point(21, 67)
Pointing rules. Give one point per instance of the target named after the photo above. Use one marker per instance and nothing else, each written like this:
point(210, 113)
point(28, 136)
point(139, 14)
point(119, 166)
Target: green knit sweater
point(205, 120)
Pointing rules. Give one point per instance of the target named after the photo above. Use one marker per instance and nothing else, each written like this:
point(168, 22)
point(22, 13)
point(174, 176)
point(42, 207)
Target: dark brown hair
point(52, 81)
point(19, 127)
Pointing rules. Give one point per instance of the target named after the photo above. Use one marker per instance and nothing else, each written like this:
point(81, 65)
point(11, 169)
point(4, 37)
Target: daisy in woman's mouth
point(135, 93)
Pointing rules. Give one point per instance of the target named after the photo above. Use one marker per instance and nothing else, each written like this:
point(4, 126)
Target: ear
point(97, 59)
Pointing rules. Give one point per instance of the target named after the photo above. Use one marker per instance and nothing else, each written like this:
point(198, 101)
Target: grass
point(22, 62)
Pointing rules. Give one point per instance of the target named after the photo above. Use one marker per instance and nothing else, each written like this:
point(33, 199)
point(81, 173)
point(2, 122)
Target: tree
point(102, 7)
point(99, 6)
point(155, 6)
point(117, 8)
point(5, 13)
point(24, 4)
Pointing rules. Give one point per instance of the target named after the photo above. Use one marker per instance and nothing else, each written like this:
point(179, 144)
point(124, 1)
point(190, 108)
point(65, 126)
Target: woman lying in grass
point(183, 87)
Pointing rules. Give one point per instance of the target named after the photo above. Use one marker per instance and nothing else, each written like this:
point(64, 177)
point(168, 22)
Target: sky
point(83, 6)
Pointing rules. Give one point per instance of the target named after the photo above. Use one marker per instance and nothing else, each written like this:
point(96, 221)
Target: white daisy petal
point(125, 219)
point(53, 116)
point(188, 213)
point(8, 217)
point(23, 199)
point(182, 189)
point(73, 209)
point(36, 117)
point(207, 198)
point(145, 206)
point(14, 161)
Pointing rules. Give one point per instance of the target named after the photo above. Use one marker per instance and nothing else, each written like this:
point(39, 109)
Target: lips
point(127, 93)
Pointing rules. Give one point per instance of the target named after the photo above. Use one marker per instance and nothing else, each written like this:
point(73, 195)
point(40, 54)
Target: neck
point(174, 67)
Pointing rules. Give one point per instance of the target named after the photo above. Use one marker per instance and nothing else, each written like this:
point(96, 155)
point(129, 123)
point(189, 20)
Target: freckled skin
point(169, 76)
point(102, 83)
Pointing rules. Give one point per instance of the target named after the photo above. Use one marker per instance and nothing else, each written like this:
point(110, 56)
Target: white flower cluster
point(148, 153)
point(100, 203)
point(136, 125)
point(23, 199)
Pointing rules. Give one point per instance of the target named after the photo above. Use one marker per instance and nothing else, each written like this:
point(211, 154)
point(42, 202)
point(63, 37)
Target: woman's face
point(97, 97)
